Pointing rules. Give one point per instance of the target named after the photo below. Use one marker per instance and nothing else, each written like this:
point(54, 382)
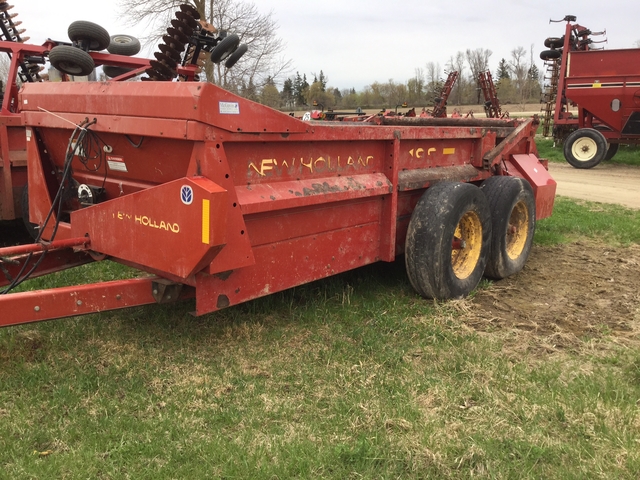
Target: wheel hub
point(466, 245)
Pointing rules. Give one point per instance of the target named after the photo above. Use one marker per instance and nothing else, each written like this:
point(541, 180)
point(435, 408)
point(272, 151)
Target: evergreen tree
point(287, 94)
point(503, 70)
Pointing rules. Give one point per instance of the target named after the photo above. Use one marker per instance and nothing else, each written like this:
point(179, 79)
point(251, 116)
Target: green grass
point(351, 377)
point(627, 154)
point(574, 220)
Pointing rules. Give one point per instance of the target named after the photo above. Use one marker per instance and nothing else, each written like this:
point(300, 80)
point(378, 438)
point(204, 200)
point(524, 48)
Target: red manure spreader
point(604, 85)
point(214, 197)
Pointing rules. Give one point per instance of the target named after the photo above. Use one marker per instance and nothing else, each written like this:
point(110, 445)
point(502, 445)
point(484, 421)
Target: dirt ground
point(605, 183)
point(575, 290)
point(580, 290)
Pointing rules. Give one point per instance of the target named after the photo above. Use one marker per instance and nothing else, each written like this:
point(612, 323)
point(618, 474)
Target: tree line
point(517, 80)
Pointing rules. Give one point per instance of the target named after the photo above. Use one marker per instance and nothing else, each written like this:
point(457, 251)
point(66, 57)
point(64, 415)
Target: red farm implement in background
point(215, 197)
point(604, 85)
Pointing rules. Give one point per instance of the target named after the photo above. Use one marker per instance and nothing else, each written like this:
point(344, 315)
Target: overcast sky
point(358, 42)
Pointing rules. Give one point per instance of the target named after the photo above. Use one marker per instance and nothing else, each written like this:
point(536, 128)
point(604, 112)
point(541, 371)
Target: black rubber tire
point(71, 60)
point(225, 48)
point(434, 267)
point(32, 228)
point(235, 56)
point(96, 36)
point(611, 151)
point(112, 72)
point(513, 223)
point(554, 42)
point(124, 45)
point(585, 148)
point(550, 54)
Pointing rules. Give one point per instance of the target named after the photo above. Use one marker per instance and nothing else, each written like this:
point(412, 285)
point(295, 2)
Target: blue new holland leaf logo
point(186, 194)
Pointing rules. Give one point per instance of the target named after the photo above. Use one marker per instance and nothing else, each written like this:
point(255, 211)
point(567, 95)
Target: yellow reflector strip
point(205, 221)
point(448, 151)
point(597, 85)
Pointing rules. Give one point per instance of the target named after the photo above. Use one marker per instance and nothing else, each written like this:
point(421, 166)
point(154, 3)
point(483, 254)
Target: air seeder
point(216, 197)
point(604, 85)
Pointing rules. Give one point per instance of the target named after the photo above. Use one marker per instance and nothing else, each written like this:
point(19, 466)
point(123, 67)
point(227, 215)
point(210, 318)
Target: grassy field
point(351, 377)
point(627, 154)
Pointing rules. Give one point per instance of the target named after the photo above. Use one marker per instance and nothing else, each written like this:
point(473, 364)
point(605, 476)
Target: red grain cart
point(605, 87)
point(226, 200)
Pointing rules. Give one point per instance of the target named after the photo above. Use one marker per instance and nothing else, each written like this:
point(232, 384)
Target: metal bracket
point(165, 291)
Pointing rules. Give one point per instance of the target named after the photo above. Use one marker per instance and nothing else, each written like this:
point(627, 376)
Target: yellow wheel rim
point(467, 245)
point(517, 230)
point(584, 149)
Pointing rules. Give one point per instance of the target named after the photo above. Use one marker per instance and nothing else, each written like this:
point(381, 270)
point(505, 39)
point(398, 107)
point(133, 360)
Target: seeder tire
point(225, 48)
point(235, 56)
point(112, 71)
point(585, 148)
point(513, 218)
point(554, 42)
point(550, 54)
point(71, 60)
point(97, 36)
point(448, 214)
point(124, 45)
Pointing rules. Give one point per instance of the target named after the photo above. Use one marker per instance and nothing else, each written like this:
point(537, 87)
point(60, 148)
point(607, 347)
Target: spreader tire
point(71, 60)
point(611, 151)
point(235, 56)
point(554, 42)
point(124, 45)
point(225, 48)
point(32, 228)
point(585, 148)
point(448, 240)
point(96, 36)
point(513, 218)
point(550, 54)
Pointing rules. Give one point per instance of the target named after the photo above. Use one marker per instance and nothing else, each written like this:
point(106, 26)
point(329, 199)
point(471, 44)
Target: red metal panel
point(604, 63)
point(209, 160)
point(280, 195)
point(294, 159)
point(544, 187)
point(177, 227)
point(286, 264)
point(200, 101)
point(281, 226)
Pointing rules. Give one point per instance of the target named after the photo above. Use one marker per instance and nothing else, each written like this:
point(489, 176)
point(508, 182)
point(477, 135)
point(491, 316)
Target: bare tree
point(434, 82)
point(519, 69)
point(478, 61)
point(264, 59)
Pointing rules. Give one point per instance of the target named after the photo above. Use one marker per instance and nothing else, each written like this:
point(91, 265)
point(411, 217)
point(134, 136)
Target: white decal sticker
point(229, 108)
point(116, 163)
